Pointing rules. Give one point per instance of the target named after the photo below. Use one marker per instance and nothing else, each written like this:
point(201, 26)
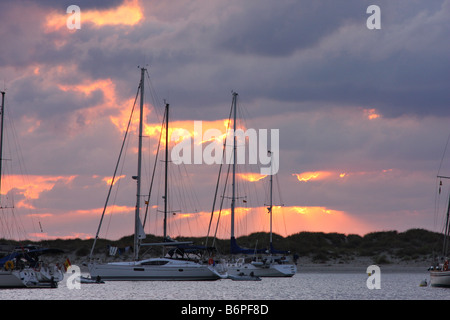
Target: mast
point(445, 246)
point(1, 139)
point(165, 172)
point(137, 221)
point(233, 196)
point(270, 200)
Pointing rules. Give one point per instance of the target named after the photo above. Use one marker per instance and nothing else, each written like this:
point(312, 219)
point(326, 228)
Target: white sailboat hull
point(155, 269)
point(440, 278)
point(13, 279)
point(262, 270)
point(27, 278)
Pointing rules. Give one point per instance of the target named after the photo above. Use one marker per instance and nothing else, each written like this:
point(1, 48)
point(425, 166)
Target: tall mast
point(446, 235)
point(233, 196)
point(270, 199)
point(165, 172)
point(137, 221)
point(1, 140)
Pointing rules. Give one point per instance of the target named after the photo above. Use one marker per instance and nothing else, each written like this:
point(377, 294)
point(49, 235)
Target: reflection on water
point(303, 286)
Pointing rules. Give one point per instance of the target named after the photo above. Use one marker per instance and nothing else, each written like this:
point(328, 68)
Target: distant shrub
point(82, 252)
point(381, 259)
point(320, 257)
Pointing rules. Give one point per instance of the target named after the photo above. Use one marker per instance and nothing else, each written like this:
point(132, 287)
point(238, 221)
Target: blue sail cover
point(8, 257)
point(273, 250)
point(18, 255)
point(235, 249)
point(30, 255)
point(189, 248)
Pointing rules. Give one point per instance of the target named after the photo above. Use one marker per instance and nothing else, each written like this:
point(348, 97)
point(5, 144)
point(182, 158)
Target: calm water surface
point(303, 286)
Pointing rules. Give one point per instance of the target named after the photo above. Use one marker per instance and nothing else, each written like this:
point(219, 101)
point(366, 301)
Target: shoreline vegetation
point(413, 248)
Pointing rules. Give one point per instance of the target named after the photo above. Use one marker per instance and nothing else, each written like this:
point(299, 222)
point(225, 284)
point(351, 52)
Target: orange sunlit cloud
point(109, 104)
point(322, 175)
point(122, 118)
point(178, 130)
point(252, 177)
point(98, 211)
point(33, 186)
point(371, 114)
point(313, 210)
point(129, 13)
point(315, 219)
point(89, 86)
point(72, 217)
point(41, 215)
point(108, 180)
point(198, 133)
point(308, 176)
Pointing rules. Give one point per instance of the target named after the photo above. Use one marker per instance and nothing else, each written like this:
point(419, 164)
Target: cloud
point(128, 13)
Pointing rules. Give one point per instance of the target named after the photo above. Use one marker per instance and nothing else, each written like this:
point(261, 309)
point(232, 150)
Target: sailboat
point(440, 272)
point(162, 268)
point(274, 263)
point(266, 262)
point(21, 268)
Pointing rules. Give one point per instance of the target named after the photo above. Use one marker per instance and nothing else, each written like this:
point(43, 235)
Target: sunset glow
point(252, 177)
point(108, 104)
point(308, 176)
point(32, 186)
point(371, 114)
point(127, 14)
point(286, 221)
point(109, 180)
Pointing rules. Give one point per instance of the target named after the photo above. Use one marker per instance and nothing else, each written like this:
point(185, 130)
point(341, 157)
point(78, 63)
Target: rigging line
point(281, 203)
point(221, 204)
point(194, 201)
point(154, 96)
point(436, 200)
point(118, 183)
point(443, 155)
point(246, 168)
point(191, 197)
point(436, 205)
point(115, 171)
point(153, 174)
point(279, 190)
point(7, 167)
point(223, 198)
point(218, 177)
point(16, 219)
point(183, 198)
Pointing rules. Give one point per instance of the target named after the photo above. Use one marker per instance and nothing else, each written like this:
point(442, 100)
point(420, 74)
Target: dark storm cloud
point(318, 53)
point(277, 28)
point(43, 100)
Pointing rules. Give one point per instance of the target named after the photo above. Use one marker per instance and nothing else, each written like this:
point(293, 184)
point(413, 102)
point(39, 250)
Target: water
point(303, 286)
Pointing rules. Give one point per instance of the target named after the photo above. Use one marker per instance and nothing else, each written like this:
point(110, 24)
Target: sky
point(362, 113)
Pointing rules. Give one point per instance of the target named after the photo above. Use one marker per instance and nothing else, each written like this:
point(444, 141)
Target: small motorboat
point(88, 280)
